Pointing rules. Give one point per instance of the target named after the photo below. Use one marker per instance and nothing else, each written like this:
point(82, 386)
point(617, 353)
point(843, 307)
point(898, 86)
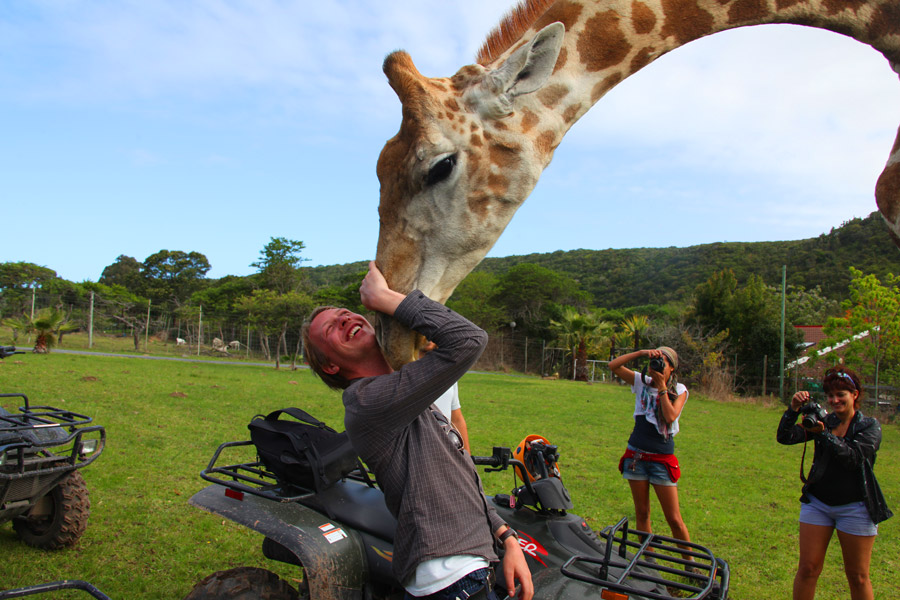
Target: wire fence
point(104, 324)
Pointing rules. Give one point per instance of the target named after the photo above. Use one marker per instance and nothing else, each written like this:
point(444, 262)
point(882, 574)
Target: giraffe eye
point(441, 170)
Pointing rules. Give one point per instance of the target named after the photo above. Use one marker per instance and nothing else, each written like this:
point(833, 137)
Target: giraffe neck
point(608, 40)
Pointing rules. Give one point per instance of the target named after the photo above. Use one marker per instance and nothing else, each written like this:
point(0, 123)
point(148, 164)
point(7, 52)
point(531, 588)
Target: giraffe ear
point(531, 65)
point(525, 71)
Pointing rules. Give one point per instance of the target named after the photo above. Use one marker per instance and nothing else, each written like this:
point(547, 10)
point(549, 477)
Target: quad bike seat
point(357, 505)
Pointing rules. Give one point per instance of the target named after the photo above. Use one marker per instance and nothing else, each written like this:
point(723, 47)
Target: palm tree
point(16, 325)
point(577, 330)
point(47, 323)
point(633, 329)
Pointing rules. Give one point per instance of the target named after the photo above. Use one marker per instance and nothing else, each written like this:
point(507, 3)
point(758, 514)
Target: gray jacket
point(429, 482)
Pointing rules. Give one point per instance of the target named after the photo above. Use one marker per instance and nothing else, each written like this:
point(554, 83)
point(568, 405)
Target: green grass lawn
point(739, 490)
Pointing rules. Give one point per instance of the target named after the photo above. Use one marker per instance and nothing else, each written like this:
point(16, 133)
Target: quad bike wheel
point(244, 583)
point(59, 518)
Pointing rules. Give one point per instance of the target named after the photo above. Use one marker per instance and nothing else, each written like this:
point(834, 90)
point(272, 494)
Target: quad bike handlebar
point(55, 586)
point(9, 351)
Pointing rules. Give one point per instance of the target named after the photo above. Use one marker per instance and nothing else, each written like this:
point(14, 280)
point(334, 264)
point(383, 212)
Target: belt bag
point(668, 460)
point(305, 453)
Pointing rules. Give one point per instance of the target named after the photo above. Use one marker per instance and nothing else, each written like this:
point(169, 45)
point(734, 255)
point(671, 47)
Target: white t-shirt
point(435, 574)
point(645, 401)
point(449, 400)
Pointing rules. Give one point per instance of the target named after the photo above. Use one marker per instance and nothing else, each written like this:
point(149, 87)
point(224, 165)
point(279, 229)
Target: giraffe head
point(458, 169)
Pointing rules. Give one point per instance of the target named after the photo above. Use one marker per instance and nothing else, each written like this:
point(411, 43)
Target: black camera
point(812, 413)
point(658, 364)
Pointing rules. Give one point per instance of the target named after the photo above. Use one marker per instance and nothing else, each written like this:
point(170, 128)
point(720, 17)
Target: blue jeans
point(477, 582)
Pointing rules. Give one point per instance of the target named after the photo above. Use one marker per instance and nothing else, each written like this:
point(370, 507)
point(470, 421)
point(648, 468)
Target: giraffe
point(471, 147)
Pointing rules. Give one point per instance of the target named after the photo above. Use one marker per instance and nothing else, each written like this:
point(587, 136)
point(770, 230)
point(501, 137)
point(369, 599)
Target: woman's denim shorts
point(644, 470)
point(850, 518)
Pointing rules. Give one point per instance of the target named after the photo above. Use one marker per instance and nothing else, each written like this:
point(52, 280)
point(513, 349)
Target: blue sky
point(131, 126)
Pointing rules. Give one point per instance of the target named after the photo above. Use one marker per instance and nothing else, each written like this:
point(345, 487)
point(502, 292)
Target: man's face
point(343, 336)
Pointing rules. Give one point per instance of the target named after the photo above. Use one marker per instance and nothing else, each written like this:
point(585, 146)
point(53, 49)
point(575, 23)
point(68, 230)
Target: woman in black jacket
point(841, 491)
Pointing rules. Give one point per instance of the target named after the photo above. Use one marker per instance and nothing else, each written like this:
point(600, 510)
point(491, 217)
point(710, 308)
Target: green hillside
point(638, 276)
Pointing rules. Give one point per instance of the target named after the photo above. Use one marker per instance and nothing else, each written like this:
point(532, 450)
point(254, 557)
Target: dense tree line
point(618, 278)
point(719, 303)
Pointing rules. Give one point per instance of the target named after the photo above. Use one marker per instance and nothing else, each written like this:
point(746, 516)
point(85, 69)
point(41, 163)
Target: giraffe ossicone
point(471, 147)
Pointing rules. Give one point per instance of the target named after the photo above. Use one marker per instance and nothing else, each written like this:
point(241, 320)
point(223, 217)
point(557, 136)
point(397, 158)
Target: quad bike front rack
point(41, 444)
point(673, 563)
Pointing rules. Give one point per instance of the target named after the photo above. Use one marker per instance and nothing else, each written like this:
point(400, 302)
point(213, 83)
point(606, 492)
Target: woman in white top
point(650, 455)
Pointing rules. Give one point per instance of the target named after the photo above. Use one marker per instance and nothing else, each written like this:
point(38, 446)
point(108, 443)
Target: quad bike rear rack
point(249, 477)
point(253, 478)
point(678, 565)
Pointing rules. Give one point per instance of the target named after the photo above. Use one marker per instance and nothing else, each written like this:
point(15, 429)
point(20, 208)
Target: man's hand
point(375, 294)
point(516, 569)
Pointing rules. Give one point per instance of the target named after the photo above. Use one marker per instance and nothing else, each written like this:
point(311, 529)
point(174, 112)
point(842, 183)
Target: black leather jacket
point(856, 449)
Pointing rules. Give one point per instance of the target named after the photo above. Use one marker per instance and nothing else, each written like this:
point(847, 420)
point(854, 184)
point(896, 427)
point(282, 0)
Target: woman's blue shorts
point(850, 518)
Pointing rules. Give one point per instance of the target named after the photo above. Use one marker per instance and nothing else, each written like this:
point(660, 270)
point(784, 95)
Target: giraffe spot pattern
point(685, 20)
point(886, 21)
point(504, 156)
point(545, 143)
point(551, 95)
point(641, 59)
point(571, 113)
point(746, 11)
point(604, 86)
point(833, 7)
point(498, 185)
point(565, 11)
point(464, 77)
point(529, 120)
point(642, 18)
point(561, 59)
point(887, 191)
point(602, 43)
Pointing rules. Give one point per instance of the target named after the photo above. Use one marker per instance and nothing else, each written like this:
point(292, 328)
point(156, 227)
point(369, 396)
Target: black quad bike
point(42, 449)
point(340, 533)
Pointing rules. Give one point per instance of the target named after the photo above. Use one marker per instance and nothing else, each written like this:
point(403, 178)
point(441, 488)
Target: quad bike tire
point(59, 518)
point(244, 583)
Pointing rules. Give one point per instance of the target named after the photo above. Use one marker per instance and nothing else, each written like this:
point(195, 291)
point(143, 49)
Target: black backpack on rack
point(305, 453)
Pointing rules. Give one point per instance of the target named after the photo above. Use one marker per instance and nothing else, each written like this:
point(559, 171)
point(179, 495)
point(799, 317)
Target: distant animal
point(218, 344)
point(234, 345)
point(180, 342)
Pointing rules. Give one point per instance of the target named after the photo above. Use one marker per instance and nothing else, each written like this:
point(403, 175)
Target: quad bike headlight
point(88, 447)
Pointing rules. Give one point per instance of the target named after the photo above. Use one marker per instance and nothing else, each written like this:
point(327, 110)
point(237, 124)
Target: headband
point(848, 377)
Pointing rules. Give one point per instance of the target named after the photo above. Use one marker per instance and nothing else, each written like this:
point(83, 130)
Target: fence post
point(200, 330)
point(91, 324)
point(543, 352)
point(574, 364)
point(526, 355)
point(147, 326)
point(765, 366)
